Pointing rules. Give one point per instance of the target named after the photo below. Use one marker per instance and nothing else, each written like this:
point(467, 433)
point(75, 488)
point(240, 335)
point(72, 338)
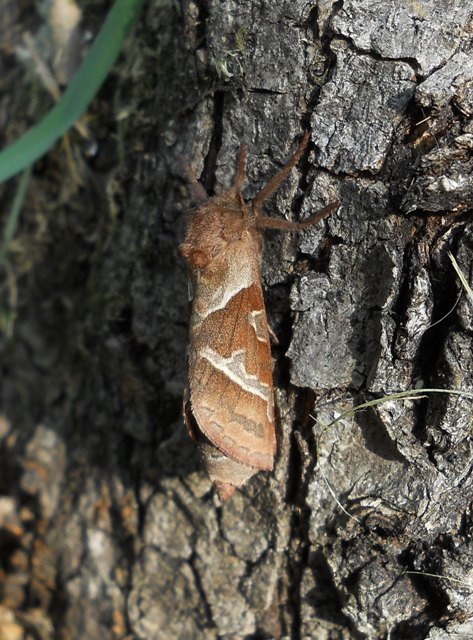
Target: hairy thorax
point(221, 222)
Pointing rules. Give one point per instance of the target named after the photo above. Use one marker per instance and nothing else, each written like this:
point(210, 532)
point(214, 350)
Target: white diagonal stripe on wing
point(234, 368)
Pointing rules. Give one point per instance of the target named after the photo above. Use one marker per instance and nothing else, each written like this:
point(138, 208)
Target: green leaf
point(14, 215)
point(78, 95)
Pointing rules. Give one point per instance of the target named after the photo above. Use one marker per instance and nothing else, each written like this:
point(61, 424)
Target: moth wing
point(231, 390)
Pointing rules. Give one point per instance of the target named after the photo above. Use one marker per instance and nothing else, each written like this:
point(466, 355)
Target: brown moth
point(228, 406)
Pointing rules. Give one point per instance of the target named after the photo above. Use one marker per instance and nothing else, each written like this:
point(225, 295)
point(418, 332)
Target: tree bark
point(109, 527)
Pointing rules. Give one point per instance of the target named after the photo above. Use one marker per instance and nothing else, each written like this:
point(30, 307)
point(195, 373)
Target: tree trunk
point(109, 526)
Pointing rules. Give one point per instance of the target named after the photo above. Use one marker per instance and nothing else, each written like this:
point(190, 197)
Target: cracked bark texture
point(109, 527)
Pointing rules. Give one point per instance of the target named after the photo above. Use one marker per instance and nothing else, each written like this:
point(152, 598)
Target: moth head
point(215, 224)
point(226, 218)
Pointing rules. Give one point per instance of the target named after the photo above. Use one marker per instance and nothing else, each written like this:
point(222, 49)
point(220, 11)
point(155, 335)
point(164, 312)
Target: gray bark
point(109, 527)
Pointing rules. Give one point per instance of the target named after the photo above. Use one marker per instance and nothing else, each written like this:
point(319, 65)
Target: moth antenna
point(281, 175)
point(197, 188)
point(241, 169)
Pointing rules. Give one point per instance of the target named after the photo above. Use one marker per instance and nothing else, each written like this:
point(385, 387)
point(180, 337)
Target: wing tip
point(262, 459)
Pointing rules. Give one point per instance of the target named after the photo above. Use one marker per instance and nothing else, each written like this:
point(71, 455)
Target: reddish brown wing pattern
point(230, 377)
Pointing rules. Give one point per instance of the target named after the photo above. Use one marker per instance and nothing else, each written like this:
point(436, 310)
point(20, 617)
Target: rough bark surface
point(109, 527)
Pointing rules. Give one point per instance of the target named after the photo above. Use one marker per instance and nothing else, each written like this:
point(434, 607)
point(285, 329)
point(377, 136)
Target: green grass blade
point(411, 393)
point(14, 215)
point(78, 95)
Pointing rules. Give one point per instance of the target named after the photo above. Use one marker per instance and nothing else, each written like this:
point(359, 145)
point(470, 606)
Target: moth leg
point(281, 175)
point(241, 169)
point(197, 188)
point(289, 225)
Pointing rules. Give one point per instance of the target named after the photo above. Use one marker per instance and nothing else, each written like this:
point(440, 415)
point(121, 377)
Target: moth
point(228, 405)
